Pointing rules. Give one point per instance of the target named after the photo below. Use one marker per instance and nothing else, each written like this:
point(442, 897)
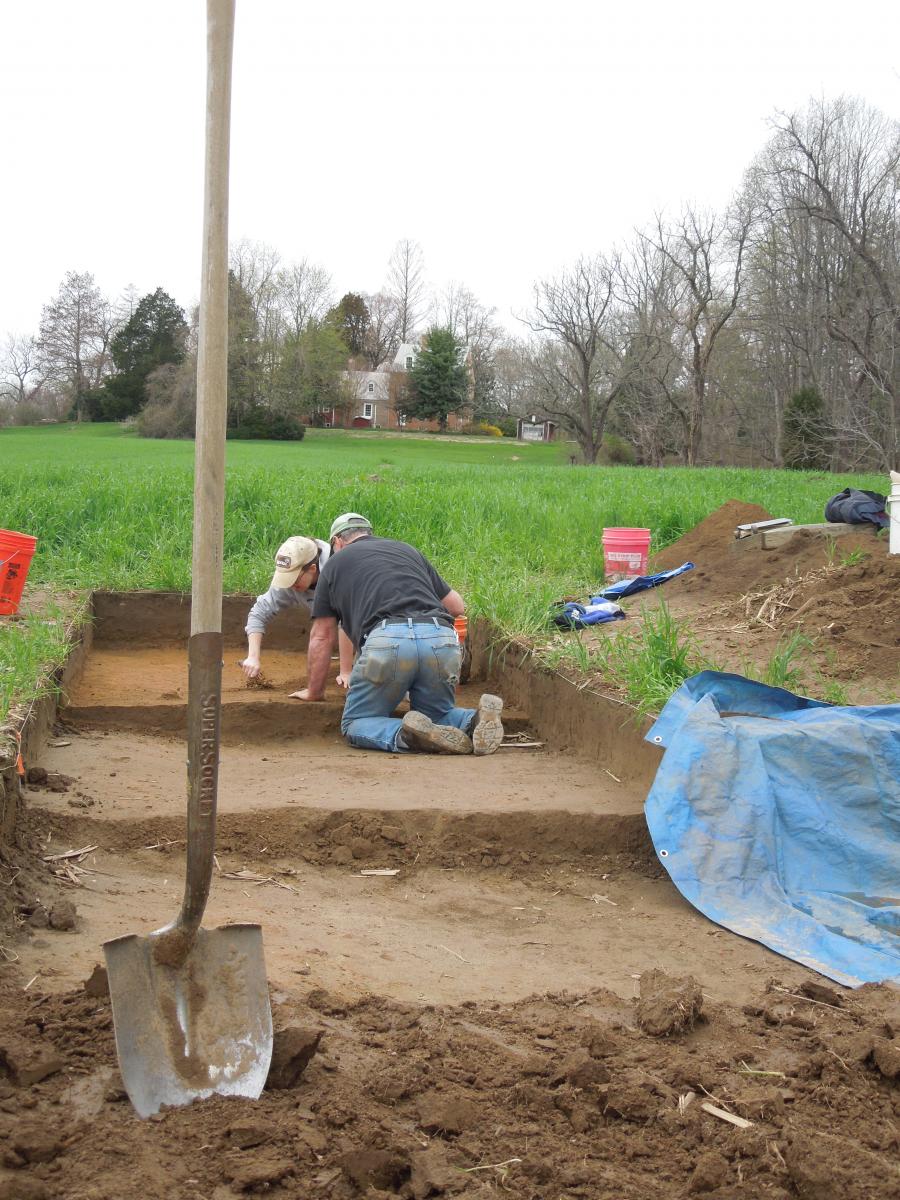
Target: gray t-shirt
point(374, 579)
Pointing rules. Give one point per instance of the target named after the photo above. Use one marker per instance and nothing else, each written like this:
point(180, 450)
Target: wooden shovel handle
point(212, 355)
point(205, 647)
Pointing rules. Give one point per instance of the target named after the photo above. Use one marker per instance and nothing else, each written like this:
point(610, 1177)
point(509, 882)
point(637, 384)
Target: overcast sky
point(505, 136)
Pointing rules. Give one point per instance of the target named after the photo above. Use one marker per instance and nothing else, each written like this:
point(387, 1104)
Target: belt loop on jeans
point(409, 622)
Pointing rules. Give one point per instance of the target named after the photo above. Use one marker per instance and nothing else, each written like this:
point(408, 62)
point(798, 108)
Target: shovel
point(190, 1005)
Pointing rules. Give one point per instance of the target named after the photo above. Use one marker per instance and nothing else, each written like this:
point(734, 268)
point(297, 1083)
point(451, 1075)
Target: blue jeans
point(422, 658)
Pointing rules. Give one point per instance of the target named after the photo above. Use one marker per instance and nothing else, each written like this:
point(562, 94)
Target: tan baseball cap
point(293, 555)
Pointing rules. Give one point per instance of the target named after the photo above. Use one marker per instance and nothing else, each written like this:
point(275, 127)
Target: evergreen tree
point(804, 433)
point(439, 382)
point(154, 335)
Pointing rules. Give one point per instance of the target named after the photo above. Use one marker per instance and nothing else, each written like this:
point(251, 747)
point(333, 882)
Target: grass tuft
point(647, 664)
point(786, 666)
point(31, 647)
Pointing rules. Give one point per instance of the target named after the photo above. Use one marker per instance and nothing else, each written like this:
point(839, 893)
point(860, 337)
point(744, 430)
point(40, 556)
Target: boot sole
point(423, 735)
point(487, 735)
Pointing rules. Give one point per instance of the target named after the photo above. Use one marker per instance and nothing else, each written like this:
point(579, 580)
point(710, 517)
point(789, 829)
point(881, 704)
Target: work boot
point(418, 732)
point(487, 732)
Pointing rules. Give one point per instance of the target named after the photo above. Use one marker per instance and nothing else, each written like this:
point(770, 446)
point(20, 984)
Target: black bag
point(856, 507)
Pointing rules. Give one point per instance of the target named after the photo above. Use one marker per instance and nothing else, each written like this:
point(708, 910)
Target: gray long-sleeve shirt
point(276, 600)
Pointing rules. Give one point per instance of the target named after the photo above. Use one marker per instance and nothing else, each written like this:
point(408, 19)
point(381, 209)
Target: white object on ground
point(893, 507)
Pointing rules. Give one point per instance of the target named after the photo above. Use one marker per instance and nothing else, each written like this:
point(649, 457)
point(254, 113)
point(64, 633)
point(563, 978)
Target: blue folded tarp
point(779, 818)
point(640, 583)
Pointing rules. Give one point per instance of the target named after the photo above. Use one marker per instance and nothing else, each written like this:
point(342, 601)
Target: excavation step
point(145, 688)
point(434, 936)
point(294, 794)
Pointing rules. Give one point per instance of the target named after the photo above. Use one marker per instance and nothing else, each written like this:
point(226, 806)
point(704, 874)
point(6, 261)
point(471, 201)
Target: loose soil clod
point(667, 1005)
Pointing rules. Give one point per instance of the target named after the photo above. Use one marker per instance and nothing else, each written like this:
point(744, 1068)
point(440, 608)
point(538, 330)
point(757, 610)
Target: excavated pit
point(504, 1015)
point(527, 870)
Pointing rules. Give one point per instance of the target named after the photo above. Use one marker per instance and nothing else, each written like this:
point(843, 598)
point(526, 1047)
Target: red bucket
point(625, 553)
point(16, 551)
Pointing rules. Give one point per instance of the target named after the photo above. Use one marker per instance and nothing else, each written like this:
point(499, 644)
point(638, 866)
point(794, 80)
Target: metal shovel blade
point(187, 1032)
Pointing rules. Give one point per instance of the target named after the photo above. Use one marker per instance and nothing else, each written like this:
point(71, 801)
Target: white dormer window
point(409, 362)
point(371, 389)
point(367, 409)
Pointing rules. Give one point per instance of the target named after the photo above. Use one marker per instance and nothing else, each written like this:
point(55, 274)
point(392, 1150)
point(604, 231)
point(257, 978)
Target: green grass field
point(511, 525)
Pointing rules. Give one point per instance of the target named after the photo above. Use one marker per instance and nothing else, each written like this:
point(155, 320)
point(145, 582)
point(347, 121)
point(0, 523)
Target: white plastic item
point(894, 513)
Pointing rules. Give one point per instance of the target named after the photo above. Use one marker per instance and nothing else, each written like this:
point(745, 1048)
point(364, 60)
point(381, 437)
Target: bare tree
point(254, 265)
point(475, 327)
point(75, 331)
point(835, 173)
point(706, 255)
point(304, 295)
point(406, 286)
point(581, 360)
point(383, 333)
point(513, 395)
point(646, 408)
point(254, 268)
point(127, 303)
point(21, 375)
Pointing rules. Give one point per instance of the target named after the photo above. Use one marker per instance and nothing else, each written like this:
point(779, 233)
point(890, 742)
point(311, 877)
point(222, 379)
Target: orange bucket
point(625, 553)
point(16, 551)
point(461, 625)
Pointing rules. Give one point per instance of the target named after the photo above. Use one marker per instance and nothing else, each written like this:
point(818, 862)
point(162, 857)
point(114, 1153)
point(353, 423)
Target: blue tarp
point(640, 583)
point(573, 615)
point(779, 818)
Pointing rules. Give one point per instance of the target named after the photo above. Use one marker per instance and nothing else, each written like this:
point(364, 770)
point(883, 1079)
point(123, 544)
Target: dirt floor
point(525, 1005)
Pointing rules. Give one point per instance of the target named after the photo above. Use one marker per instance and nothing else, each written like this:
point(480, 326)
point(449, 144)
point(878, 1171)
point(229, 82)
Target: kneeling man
point(398, 613)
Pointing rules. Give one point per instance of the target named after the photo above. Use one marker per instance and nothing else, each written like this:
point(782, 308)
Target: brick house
point(375, 398)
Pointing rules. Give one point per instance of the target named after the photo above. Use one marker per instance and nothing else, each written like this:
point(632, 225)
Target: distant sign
point(532, 433)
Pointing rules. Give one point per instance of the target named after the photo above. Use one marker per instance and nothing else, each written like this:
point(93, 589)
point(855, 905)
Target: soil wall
point(164, 619)
point(592, 726)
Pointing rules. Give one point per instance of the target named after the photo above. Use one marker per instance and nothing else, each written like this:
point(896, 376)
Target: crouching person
point(298, 564)
point(398, 613)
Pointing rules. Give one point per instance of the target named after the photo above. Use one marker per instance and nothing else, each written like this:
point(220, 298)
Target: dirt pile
point(721, 570)
point(708, 544)
point(849, 610)
point(23, 879)
point(556, 1096)
point(838, 593)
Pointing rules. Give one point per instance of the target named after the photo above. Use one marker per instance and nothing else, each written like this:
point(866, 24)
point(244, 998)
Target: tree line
point(292, 350)
point(765, 334)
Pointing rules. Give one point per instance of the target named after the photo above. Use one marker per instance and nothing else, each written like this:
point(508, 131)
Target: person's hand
point(303, 694)
point(250, 666)
point(343, 681)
